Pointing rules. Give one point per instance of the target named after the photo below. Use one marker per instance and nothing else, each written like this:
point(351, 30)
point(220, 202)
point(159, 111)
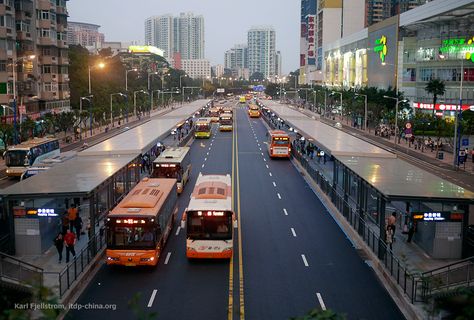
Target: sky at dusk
point(226, 21)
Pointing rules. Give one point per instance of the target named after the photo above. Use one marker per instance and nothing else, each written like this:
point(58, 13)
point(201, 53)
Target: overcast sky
point(226, 21)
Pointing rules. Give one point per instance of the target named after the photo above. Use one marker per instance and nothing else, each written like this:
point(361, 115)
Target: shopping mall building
point(433, 41)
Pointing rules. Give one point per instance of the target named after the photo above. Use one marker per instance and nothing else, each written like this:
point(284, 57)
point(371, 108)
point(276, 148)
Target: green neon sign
point(465, 46)
point(381, 48)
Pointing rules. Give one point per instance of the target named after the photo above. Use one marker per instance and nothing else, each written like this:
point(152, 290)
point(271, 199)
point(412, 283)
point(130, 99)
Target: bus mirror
point(234, 223)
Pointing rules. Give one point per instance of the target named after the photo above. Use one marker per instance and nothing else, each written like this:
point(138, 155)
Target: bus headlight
point(113, 259)
point(147, 259)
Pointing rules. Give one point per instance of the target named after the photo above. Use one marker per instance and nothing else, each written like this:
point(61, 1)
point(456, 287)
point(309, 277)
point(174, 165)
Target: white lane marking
point(209, 148)
point(257, 141)
point(178, 230)
point(279, 197)
point(205, 159)
point(293, 231)
point(152, 298)
point(259, 144)
point(261, 152)
point(304, 260)
point(202, 165)
point(270, 174)
point(321, 302)
point(267, 166)
point(167, 257)
point(285, 212)
point(207, 154)
point(274, 184)
point(264, 159)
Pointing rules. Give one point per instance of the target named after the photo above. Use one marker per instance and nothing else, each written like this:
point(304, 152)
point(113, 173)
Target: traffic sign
point(465, 142)
point(220, 90)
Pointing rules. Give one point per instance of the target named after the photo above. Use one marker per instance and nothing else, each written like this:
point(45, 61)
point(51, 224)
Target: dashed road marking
point(293, 232)
point(321, 302)
point(178, 230)
point(167, 257)
point(285, 212)
point(274, 184)
point(278, 195)
point(270, 174)
point(267, 166)
point(202, 165)
point(304, 260)
point(152, 298)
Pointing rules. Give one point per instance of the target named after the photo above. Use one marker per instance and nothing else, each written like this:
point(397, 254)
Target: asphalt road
point(294, 256)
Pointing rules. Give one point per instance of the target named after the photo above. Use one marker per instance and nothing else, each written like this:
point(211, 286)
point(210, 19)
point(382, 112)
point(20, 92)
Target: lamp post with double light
point(100, 65)
point(398, 101)
point(126, 77)
point(88, 99)
point(150, 74)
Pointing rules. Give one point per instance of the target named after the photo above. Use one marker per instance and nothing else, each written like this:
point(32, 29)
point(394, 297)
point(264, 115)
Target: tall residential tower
point(261, 50)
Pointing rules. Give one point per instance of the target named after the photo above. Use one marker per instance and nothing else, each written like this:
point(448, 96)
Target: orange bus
point(254, 111)
point(138, 227)
point(214, 114)
point(279, 144)
point(209, 220)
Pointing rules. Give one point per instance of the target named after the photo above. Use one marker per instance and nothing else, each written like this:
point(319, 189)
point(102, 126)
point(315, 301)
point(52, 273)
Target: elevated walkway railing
point(445, 279)
point(17, 272)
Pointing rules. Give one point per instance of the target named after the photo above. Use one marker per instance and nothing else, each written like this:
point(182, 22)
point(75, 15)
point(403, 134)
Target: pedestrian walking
point(392, 220)
point(411, 229)
point(78, 226)
point(70, 241)
point(72, 214)
point(65, 223)
point(389, 237)
point(89, 229)
point(59, 244)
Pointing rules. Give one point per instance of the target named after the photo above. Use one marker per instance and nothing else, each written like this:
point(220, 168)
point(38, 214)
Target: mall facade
point(433, 41)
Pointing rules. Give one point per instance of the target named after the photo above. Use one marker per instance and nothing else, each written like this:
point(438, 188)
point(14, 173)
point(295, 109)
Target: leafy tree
point(321, 315)
point(26, 129)
point(436, 87)
point(272, 89)
point(257, 76)
point(6, 134)
point(65, 121)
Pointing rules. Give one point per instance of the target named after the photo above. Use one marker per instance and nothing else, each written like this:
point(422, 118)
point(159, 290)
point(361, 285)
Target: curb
point(399, 297)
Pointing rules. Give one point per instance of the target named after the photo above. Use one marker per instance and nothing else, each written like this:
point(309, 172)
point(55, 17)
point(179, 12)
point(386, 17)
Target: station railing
point(17, 272)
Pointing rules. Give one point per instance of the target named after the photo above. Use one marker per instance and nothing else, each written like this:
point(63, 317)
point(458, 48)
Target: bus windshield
point(165, 170)
point(16, 158)
point(202, 127)
point(226, 121)
point(130, 237)
point(280, 141)
point(203, 227)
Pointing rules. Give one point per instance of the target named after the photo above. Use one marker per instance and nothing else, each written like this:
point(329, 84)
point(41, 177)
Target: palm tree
point(436, 87)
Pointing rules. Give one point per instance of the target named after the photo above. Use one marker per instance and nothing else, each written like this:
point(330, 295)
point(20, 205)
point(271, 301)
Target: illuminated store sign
point(381, 48)
point(311, 40)
point(441, 106)
point(145, 49)
point(465, 46)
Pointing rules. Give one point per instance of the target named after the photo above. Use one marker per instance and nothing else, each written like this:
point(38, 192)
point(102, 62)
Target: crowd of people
point(72, 229)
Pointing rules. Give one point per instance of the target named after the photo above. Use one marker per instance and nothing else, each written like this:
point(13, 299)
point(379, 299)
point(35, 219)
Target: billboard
point(145, 49)
point(308, 35)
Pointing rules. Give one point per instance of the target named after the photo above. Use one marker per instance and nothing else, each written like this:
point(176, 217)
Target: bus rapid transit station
point(95, 180)
point(370, 183)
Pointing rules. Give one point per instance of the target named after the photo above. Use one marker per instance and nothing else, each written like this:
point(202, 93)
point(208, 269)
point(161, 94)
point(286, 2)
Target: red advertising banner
point(442, 106)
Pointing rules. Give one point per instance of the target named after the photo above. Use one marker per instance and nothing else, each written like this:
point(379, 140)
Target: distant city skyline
point(225, 23)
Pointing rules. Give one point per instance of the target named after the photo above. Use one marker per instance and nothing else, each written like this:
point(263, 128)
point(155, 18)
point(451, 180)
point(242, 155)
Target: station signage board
point(437, 216)
point(459, 45)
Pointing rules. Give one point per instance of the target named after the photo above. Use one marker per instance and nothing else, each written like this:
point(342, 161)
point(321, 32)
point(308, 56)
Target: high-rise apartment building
point(183, 35)
point(236, 57)
point(379, 10)
point(278, 63)
point(159, 32)
point(261, 43)
point(84, 34)
point(197, 68)
point(34, 55)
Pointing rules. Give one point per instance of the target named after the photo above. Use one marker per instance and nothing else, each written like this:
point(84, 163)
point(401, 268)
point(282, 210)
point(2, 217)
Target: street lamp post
point(111, 110)
point(126, 77)
point(101, 65)
point(180, 77)
point(135, 100)
point(365, 109)
point(150, 91)
point(334, 92)
point(457, 127)
point(396, 113)
point(89, 99)
point(14, 106)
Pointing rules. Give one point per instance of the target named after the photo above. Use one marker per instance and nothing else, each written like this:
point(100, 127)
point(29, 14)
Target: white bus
point(209, 220)
point(29, 153)
point(174, 162)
